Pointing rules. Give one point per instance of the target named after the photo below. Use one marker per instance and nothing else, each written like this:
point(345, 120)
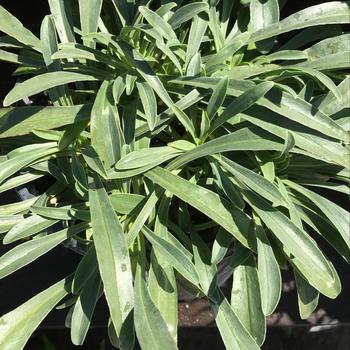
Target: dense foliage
point(177, 135)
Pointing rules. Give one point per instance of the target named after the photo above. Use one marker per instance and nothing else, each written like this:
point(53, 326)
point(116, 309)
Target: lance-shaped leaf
point(59, 95)
point(61, 12)
point(17, 326)
point(162, 280)
point(185, 13)
point(327, 13)
point(27, 252)
point(114, 262)
point(23, 120)
point(149, 103)
point(221, 244)
point(19, 180)
point(285, 104)
point(245, 139)
point(11, 166)
point(233, 332)
point(8, 221)
point(176, 255)
point(209, 203)
point(307, 296)
point(152, 156)
point(256, 182)
point(337, 215)
point(205, 268)
point(16, 208)
point(217, 98)
point(14, 28)
point(44, 82)
point(270, 281)
point(28, 227)
point(151, 329)
point(106, 134)
point(227, 51)
point(84, 309)
point(159, 24)
point(313, 263)
point(264, 14)
point(245, 299)
point(242, 102)
point(85, 270)
point(197, 31)
point(156, 84)
point(89, 14)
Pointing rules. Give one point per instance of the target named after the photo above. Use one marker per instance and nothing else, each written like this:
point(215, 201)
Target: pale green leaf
point(17, 326)
point(42, 83)
point(245, 299)
point(114, 262)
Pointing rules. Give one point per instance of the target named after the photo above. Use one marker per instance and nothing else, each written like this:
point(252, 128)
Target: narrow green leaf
point(14, 28)
point(337, 215)
point(151, 329)
point(114, 262)
point(174, 255)
point(195, 65)
point(79, 51)
point(11, 166)
point(17, 326)
point(89, 14)
point(27, 252)
point(307, 296)
point(16, 208)
point(125, 203)
point(93, 161)
point(227, 51)
point(19, 180)
point(206, 270)
point(142, 216)
point(42, 83)
point(220, 247)
point(59, 95)
point(23, 120)
point(106, 134)
point(85, 270)
point(142, 157)
point(209, 203)
point(279, 102)
point(242, 102)
point(185, 13)
point(149, 103)
point(256, 182)
point(84, 309)
point(61, 12)
point(264, 14)
point(270, 281)
point(217, 98)
point(245, 299)
point(159, 24)
point(233, 333)
point(163, 291)
point(67, 212)
point(162, 280)
point(327, 13)
point(245, 139)
point(8, 221)
point(196, 35)
point(299, 245)
point(226, 184)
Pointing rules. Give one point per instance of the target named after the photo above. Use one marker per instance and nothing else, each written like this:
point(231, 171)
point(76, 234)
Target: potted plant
point(176, 135)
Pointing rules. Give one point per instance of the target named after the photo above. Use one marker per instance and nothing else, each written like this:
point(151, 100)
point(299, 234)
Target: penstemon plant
point(176, 135)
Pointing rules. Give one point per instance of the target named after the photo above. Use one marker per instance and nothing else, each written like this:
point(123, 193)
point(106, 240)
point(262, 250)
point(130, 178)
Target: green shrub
point(176, 134)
